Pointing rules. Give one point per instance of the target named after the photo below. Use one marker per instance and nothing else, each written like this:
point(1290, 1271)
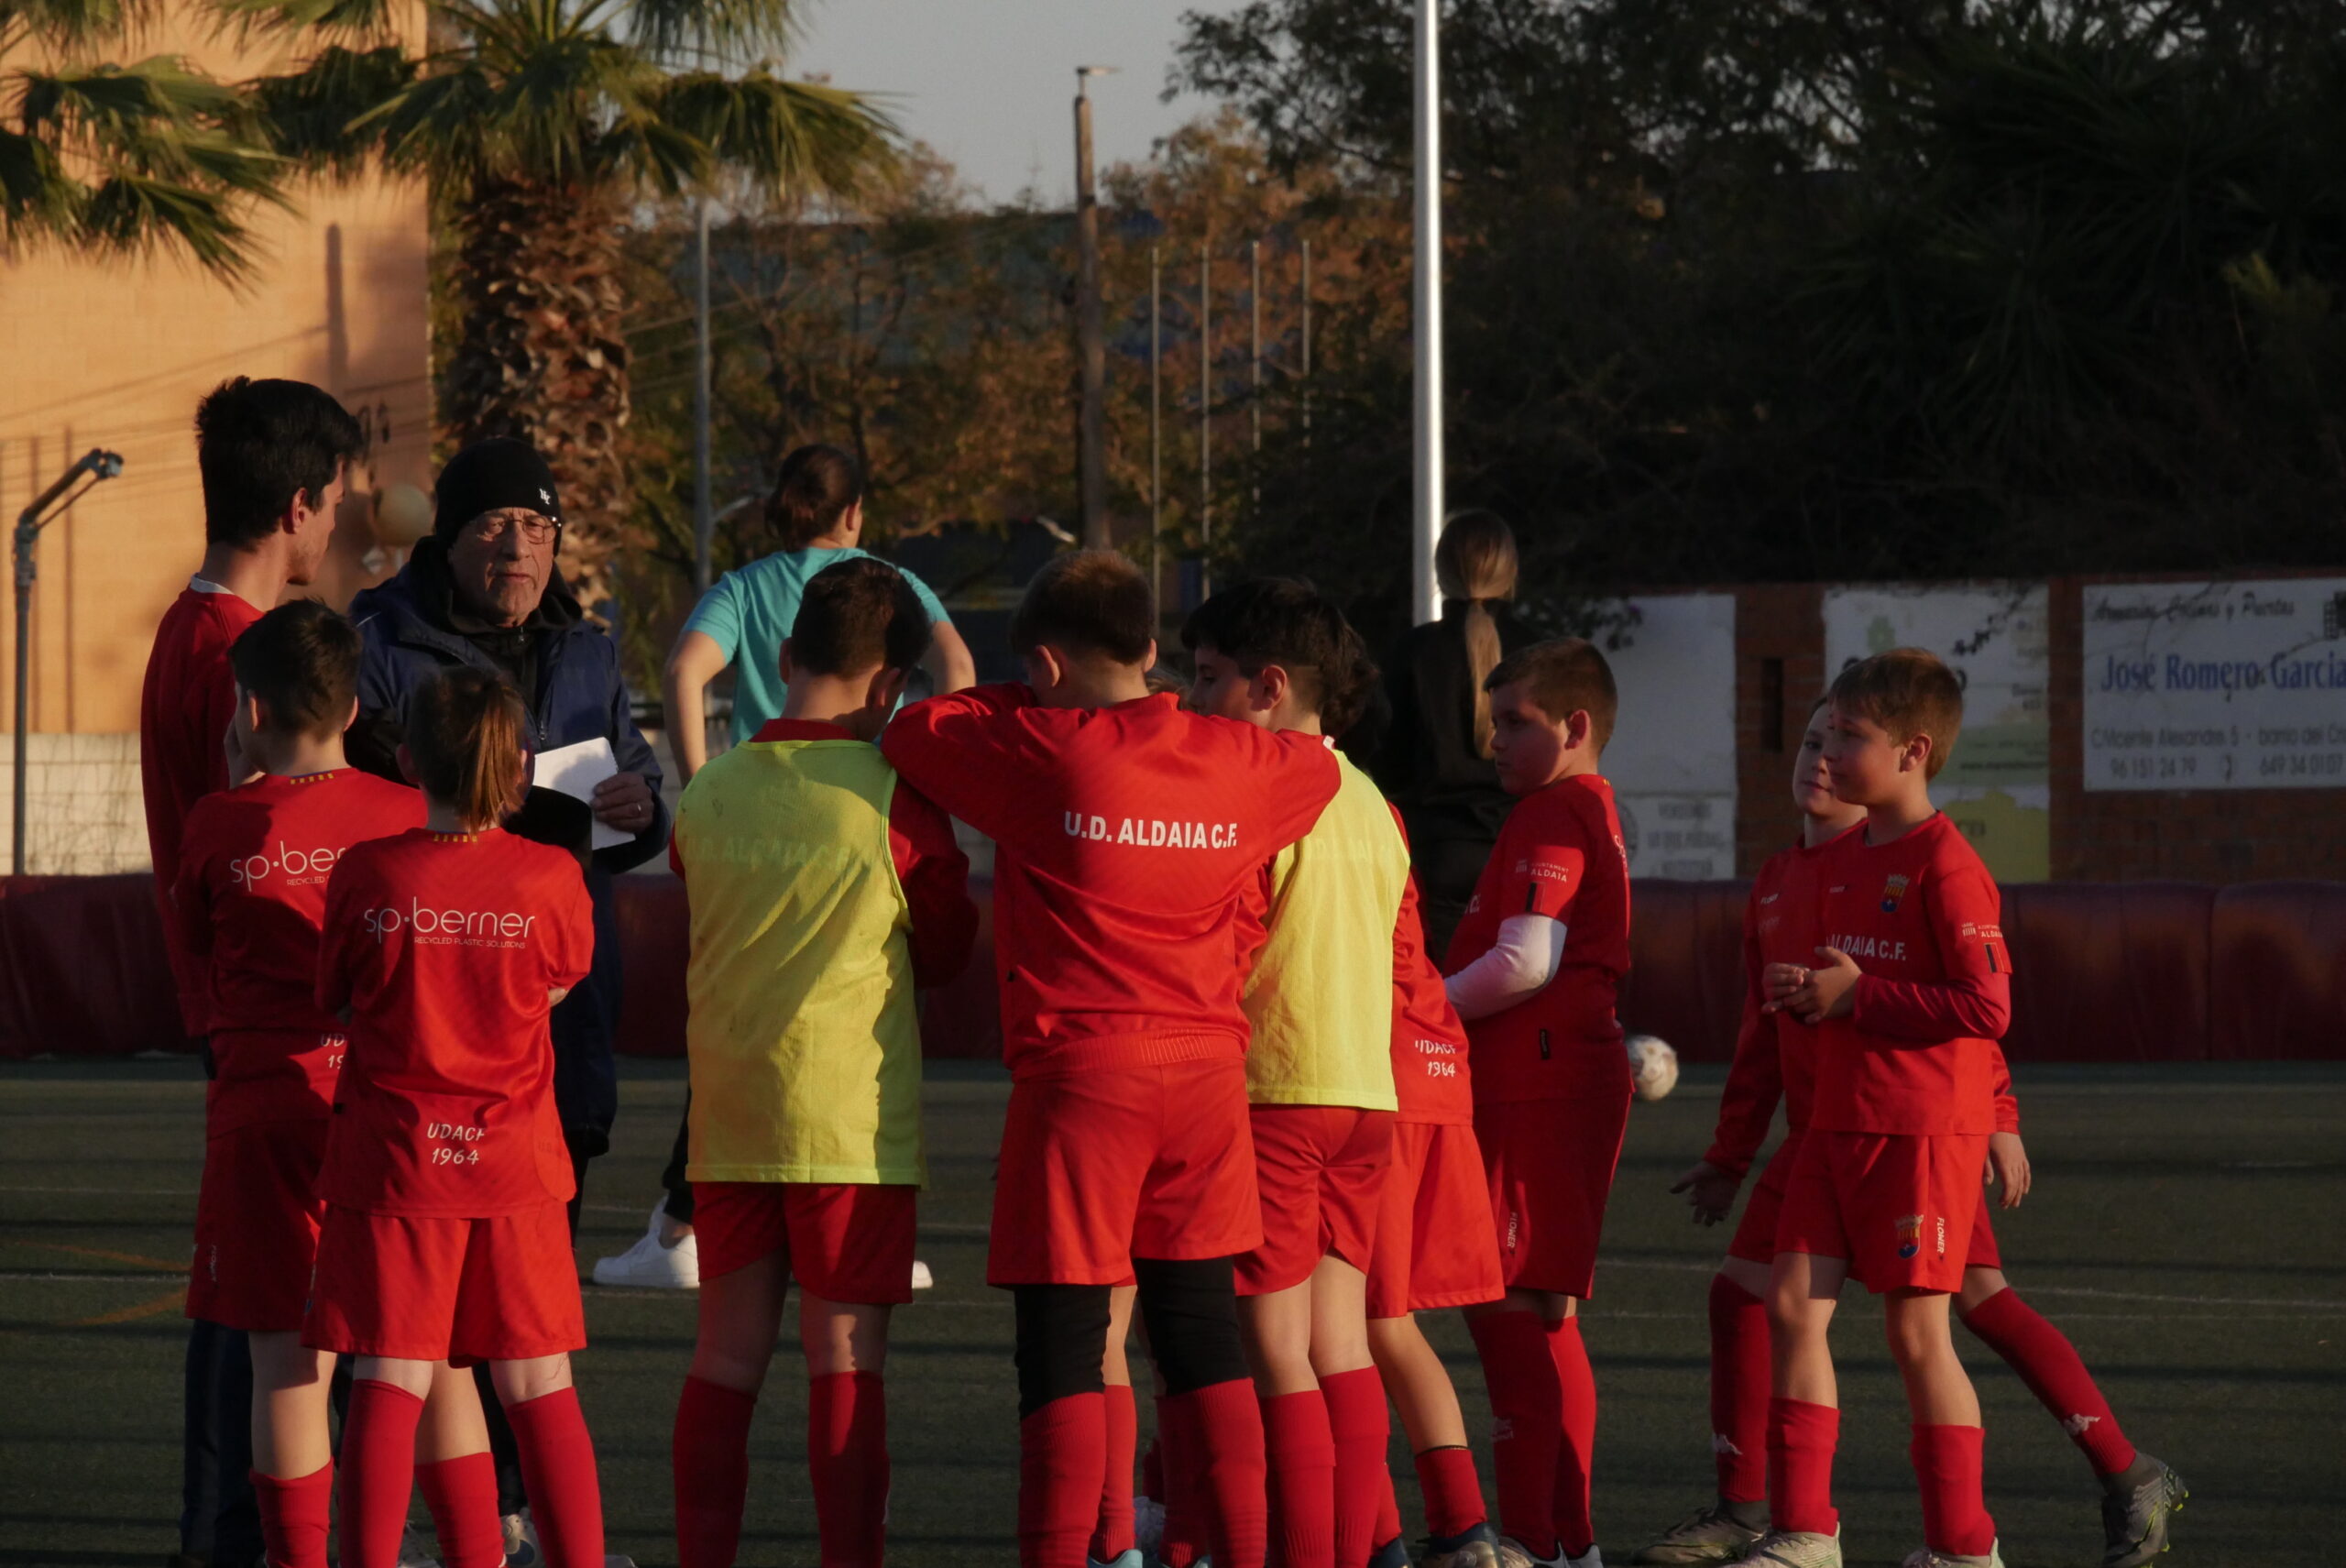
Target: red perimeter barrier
point(2104, 971)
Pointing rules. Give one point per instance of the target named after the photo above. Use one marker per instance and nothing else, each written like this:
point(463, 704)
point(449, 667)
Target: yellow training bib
point(803, 1039)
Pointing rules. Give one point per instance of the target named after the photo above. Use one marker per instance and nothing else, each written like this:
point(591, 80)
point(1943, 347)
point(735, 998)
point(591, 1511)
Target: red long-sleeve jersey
point(1917, 1052)
point(1126, 839)
point(1431, 1075)
point(184, 705)
point(1559, 855)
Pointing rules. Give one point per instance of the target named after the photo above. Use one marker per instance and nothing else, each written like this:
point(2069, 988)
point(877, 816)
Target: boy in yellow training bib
point(823, 891)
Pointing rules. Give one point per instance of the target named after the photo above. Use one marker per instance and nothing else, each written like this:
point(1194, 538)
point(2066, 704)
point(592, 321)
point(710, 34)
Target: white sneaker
point(412, 1550)
point(522, 1549)
point(922, 1278)
point(1513, 1553)
point(1148, 1524)
point(1129, 1558)
point(1926, 1558)
point(1796, 1549)
point(649, 1266)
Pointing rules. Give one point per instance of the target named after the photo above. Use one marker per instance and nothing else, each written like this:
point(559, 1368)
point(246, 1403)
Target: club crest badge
point(1910, 1234)
point(1893, 893)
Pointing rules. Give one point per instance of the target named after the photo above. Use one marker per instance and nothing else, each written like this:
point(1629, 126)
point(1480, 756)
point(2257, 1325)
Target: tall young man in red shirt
point(1534, 970)
point(1278, 655)
point(272, 456)
point(1909, 988)
point(825, 893)
point(1128, 833)
point(250, 895)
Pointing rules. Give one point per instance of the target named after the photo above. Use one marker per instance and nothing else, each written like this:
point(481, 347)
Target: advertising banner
point(2215, 686)
point(1997, 785)
point(1672, 761)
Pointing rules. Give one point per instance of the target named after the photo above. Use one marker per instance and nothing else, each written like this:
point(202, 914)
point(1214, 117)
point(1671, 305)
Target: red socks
point(1527, 1427)
point(847, 1453)
point(293, 1517)
point(2051, 1367)
point(1062, 1453)
point(1948, 1463)
point(1801, 1440)
point(710, 1457)
point(462, 1495)
point(1180, 1477)
point(1576, 1384)
point(1357, 1420)
point(1111, 1537)
point(1228, 1459)
point(1738, 1391)
point(378, 1472)
point(1454, 1492)
point(558, 1467)
point(1389, 1512)
point(1302, 1455)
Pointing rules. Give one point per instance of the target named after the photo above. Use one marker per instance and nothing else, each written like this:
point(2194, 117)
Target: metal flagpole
point(1255, 304)
point(704, 518)
point(1307, 344)
point(1156, 416)
point(1426, 316)
point(1205, 420)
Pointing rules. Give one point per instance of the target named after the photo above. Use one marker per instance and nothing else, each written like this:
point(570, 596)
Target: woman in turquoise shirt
point(817, 511)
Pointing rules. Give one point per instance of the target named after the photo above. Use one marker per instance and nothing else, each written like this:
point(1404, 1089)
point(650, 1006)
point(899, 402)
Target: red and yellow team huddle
point(1248, 1107)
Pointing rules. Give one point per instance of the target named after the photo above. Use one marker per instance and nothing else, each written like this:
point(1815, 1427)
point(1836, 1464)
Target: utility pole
point(704, 519)
point(1255, 302)
point(1425, 298)
point(1155, 415)
point(99, 466)
point(1205, 422)
point(1091, 350)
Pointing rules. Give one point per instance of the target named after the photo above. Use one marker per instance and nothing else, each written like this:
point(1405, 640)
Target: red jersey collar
point(800, 729)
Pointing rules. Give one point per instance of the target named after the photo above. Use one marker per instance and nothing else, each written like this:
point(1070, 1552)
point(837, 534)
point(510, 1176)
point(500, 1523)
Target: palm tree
point(539, 123)
point(107, 158)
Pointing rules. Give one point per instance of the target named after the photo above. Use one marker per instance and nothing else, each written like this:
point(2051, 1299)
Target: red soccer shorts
point(1106, 1163)
point(1547, 1166)
point(842, 1242)
point(1763, 1212)
point(257, 1216)
point(1898, 1207)
point(1320, 1171)
point(417, 1289)
point(1434, 1244)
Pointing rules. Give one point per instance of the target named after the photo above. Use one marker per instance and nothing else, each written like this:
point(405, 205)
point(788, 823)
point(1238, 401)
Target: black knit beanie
point(487, 475)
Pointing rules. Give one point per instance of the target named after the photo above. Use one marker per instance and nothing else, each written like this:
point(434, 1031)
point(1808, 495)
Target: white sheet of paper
point(576, 770)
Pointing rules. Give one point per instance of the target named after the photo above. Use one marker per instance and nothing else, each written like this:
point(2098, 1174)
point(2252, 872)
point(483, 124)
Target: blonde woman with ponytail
point(446, 1175)
point(1435, 760)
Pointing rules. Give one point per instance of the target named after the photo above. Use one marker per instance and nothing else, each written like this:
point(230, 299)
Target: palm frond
point(345, 21)
point(707, 32)
point(800, 136)
point(37, 194)
point(135, 214)
point(319, 114)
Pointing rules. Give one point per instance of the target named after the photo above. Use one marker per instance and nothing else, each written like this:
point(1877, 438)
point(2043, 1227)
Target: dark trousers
point(219, 1520)
point(679, 1205)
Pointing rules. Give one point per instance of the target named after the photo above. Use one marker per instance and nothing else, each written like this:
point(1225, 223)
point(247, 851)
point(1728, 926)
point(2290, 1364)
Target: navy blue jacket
point(579, 696)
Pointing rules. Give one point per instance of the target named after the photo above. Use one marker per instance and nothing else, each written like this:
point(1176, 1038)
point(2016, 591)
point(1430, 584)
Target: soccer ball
point(1653, 1066)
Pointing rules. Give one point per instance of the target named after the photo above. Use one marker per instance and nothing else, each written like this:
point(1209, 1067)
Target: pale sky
point(989, 83)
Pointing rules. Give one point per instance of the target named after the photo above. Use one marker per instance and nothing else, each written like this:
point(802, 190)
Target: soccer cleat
point(1592, 1557)
point(1148, 1524)
point(1794, 1548)
point(521, 1541)
point(651, 1266)
point(1709, 1534)
point(1513, 1553)
point(1926, 1558)
point(1475, 1547)
point(412, 1553)
point(922, 1278)
point(1128, 1558)
point(1392, 1555)
point(2134, 1522)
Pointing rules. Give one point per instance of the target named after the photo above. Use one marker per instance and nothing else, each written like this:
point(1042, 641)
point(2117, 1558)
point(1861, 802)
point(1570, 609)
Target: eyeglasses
point(491, 526)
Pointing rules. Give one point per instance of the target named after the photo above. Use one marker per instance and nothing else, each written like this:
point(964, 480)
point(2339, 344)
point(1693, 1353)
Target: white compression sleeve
point(1524, 959)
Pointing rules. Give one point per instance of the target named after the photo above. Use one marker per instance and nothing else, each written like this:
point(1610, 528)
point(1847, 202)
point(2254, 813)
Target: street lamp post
point(1425, 298)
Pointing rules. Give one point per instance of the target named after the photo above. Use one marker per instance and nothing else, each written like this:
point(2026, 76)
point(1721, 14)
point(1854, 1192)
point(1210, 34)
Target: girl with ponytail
point(446, 1176)
point(1435, 763)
